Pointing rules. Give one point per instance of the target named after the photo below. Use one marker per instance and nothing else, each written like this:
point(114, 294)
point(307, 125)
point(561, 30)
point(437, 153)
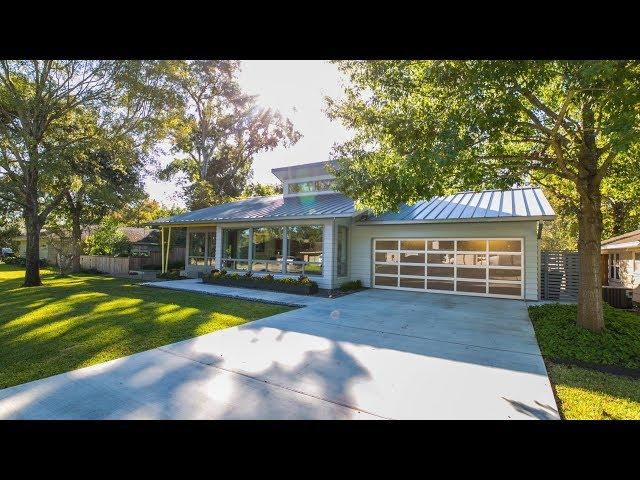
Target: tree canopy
point(219, 132)
point(426, 128)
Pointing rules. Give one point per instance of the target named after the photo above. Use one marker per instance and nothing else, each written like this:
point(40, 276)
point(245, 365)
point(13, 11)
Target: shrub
point(349, 286)
point(22, 262)
point(171, 275)
point(249, 279)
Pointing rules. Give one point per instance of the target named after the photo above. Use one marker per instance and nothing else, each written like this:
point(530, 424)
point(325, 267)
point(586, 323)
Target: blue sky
point(296, 88)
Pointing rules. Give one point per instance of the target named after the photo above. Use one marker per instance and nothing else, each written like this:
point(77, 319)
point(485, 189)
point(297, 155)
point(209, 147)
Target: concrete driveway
point(377, 354)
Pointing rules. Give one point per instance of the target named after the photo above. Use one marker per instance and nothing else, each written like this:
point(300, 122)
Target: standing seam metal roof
point(521, 203)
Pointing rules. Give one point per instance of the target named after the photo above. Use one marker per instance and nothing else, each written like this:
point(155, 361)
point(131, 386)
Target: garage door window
point(490, 267)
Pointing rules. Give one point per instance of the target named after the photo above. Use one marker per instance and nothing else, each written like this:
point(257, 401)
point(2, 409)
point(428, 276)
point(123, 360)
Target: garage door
point(491, 267)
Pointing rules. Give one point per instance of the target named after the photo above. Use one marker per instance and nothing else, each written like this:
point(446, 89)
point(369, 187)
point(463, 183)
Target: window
point(196, 248)
point(304, 244)
point(267, 249)
point(235, 248)
point(312, 186)
point(325, 185)
point(341, 248)
point(202, 248)
point(614, 266)
point(301, 187)
point(636, 262)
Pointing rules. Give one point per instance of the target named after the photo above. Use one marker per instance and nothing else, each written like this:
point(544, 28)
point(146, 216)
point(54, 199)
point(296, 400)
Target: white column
point(162, 250)
point(285, 248)
point(328, 243)
point(218, 247)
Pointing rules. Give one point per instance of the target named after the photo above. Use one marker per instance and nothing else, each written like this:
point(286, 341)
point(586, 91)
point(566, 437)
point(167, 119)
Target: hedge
point(301, 285)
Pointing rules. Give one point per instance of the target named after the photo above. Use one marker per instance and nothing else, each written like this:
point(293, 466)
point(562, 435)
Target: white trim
point(449, 292)
point(521, 218)
point(616, 246)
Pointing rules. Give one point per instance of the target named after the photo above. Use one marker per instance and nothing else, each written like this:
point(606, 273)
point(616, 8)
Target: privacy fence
point(123, 265)
point(560, 280)
point(559, 276)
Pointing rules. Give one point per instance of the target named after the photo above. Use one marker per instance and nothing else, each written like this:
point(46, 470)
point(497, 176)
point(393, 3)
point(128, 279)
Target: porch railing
point(293, 267)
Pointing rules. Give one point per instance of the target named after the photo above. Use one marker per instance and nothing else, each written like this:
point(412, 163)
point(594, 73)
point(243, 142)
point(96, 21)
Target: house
point(47, 251)
point(470, 243)
point(621, 262)
point(143, 240)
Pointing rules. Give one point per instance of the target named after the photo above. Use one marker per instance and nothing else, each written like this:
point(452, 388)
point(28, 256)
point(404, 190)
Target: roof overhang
point(200, 223)
point(622, 245)
point(302, 171)
point(456, 220)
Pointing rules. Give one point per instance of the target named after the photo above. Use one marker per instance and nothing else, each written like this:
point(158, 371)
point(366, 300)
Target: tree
point(425, 128)
point(9, 229)
point(621, 197)
point(140, 212)
point(219, 133)
point(108, 239)
point(39, 131)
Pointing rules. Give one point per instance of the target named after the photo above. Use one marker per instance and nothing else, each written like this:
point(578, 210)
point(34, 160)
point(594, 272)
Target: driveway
point(377, 354)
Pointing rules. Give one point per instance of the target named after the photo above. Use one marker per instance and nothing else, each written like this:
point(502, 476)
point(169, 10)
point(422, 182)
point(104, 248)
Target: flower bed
point(301, 285)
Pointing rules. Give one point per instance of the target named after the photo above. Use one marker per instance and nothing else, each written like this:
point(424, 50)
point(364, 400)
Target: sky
point(297, 89)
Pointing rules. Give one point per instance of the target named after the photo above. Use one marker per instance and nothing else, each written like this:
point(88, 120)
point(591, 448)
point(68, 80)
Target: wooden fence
point(105, 264)
point(123, 265)
point(559, 276)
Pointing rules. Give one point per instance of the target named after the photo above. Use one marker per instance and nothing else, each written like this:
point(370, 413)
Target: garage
point(491, 267)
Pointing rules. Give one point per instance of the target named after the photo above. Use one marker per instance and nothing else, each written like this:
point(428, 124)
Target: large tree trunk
point(32, 255)
point(589, 237)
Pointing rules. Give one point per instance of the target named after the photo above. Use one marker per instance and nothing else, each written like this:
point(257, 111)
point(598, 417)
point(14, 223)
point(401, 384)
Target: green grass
point(590, 395)
point(560, 337)
point(587, 394)
point(80, 320)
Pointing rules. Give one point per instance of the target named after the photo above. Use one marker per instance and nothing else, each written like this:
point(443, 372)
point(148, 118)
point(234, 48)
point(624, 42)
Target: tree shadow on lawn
point(62, 326)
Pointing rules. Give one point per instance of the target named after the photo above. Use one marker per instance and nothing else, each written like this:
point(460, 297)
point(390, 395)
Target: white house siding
point(629, 278)
point(362, 241)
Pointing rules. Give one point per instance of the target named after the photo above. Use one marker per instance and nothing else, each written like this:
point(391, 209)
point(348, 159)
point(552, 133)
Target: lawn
point(584, 393)
point(80, 320)
point(590, 395)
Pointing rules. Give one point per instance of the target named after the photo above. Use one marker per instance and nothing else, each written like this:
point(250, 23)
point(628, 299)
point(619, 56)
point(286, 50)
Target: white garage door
point(490, 267)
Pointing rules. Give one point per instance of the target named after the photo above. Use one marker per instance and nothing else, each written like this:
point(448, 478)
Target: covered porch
point(317, 248)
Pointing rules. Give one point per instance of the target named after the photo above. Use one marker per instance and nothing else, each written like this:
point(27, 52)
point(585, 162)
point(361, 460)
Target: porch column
point(285, 249)
point(162, 250)
point(168, 249)
point(218, 247)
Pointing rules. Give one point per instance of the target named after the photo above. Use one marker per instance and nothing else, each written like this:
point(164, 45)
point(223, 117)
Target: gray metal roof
point(518, 203)
point(269, 208)
point(527, 203)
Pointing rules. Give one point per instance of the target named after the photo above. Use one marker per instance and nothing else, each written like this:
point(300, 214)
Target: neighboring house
point(621, 260)
point(47, 251)
point(143, 241)
point(484, 243)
